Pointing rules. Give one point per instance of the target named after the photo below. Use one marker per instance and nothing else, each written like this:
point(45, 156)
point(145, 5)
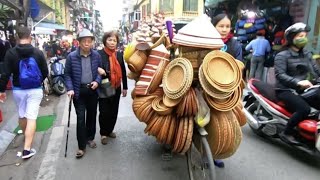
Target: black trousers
point(295, 104)
point(86, 110)
point(108, 113)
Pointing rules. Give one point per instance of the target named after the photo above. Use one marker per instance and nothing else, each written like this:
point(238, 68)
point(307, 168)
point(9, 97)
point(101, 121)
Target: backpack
point(30, 75)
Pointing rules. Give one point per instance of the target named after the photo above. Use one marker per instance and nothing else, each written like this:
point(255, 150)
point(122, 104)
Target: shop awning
point(51, 26)
point(42, 30)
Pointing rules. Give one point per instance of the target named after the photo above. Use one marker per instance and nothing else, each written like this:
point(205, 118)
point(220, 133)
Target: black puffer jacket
point(292, 67)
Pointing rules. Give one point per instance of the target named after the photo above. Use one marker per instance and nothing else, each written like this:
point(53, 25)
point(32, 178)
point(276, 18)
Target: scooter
point(56, 80)
point(268, 117)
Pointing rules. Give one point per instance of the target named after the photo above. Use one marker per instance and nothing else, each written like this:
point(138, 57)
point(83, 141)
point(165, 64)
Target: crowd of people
point(86, 68)
point(89, 68)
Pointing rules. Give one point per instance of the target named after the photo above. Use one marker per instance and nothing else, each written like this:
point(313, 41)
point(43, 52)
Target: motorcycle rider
point(294, 70)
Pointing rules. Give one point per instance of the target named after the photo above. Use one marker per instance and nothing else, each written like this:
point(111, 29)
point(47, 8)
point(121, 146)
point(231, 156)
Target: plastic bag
point(203, 116)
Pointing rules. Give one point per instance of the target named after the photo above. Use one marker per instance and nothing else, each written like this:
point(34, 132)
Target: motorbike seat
point(267, 93)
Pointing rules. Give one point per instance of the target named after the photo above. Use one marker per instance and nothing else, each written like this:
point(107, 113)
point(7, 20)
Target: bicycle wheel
point(199, 159)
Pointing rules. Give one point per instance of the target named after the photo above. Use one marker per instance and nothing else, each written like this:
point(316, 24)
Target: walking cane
point(65, 153)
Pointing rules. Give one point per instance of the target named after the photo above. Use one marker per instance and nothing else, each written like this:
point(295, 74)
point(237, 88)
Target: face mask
point(301, 42)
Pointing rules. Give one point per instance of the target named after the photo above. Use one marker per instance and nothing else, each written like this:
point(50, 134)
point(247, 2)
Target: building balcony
point(190, 13)
point(168, 14)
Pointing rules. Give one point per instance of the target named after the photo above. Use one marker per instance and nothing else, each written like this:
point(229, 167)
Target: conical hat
point(200, 27)
point(199, 33)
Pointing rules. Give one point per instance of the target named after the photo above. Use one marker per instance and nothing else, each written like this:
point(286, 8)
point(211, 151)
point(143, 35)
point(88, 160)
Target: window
point(149, 8)
point(190, 5)
point(166, 5)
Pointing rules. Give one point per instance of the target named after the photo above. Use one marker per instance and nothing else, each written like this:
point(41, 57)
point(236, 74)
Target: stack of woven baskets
point(165, 99)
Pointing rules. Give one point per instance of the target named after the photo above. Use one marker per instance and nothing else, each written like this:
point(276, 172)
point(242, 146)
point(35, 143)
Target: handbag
point(105, 89)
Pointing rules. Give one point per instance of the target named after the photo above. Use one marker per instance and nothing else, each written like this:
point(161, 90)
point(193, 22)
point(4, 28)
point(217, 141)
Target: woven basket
point(137, 61)
point(177, 78)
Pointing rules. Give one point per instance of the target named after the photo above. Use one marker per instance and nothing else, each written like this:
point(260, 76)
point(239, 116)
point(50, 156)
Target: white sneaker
point(28, 154)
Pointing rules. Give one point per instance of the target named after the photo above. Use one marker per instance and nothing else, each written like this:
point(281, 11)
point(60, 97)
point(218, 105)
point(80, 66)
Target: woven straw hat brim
point(178, 135)
point(221, 71)
point(237, 141)
point(172, 131)
point(213, 129)
point(162, 136)
point(157, 78)
point(159, 107)
point(211, 91)
point(172, 88)
point(151, 123)
point(225, 104)
point(240, 115)
point(189, 135)
point(229, 137)
point(184, 135)
point(175, 78)
point(170, 102)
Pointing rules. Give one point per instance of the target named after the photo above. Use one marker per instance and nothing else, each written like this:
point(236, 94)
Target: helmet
point(294, 29)
point(85, 33)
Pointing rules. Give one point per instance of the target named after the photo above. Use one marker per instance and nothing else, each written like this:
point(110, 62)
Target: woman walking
point(114, 71)
point(223, 25)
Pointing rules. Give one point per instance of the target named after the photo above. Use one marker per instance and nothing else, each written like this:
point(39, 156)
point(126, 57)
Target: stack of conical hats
point(199, 33)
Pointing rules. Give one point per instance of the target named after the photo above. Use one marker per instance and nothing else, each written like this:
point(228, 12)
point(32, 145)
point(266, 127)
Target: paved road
point(134, 155)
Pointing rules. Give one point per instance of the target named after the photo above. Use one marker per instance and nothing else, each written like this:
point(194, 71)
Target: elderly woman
point(114, 70)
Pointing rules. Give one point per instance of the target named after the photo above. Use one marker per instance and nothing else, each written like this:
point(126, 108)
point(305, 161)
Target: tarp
point(42, 30)
point(34, 8)
point(51, 25)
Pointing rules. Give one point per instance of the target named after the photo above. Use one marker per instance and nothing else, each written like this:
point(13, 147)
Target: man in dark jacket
point(82, 80)
point(27, 98)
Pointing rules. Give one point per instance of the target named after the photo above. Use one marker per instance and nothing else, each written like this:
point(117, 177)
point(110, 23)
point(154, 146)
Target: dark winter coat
point(106, 66)
point(292, 67)
point(234, 48)
point(73, 70)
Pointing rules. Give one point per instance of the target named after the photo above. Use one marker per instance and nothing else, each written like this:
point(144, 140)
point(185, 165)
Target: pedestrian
point(260, 47)
point(223, 25)
point(27, 90)
point(82, 80)
point(295, 71)
point(114, 70)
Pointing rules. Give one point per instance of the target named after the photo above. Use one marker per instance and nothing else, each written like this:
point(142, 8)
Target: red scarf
point(115, 68)
point(226, 39)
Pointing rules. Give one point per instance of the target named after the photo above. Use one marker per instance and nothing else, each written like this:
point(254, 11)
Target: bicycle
point(199, 157)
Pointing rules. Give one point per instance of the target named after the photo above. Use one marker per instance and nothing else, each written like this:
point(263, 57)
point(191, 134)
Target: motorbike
point(267, 117)
point(55, 80)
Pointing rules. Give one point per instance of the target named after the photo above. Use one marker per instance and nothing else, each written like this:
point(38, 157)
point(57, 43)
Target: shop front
point(274, 16)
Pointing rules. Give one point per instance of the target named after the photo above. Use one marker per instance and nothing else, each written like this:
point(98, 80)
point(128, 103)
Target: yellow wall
point(178, 13)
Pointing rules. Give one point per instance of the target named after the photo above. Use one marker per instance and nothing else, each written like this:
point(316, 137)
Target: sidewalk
point(132, 155)
point(10, 117)
point(9, 123)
